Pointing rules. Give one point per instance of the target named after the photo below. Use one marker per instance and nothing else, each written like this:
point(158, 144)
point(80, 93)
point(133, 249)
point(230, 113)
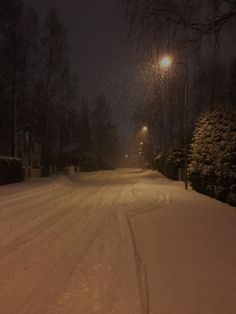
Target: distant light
point(126, 156)
point(140, 153)
point(141, 143)
point(144, 128)
point(165, 62)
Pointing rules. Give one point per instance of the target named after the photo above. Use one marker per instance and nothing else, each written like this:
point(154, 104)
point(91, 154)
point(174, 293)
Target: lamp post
point(166, 62)
point(145, 129)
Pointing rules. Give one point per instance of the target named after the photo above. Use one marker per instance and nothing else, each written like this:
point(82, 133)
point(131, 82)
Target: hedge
point(169, 163)
point(212, 170)
point(10, 170)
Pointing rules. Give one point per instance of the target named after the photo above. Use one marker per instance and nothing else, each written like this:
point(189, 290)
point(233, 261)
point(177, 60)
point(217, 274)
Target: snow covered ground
point(115, 242)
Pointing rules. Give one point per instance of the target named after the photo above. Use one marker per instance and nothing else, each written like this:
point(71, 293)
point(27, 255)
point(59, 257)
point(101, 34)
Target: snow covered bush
point(212, 170)
point(10, 170)
point(170, 162)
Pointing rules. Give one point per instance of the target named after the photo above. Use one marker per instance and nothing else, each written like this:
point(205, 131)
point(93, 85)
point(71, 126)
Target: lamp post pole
point(165, 63)
point(185, 125)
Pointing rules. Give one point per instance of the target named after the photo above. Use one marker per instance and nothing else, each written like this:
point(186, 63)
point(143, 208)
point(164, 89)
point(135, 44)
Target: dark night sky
point(101, 56)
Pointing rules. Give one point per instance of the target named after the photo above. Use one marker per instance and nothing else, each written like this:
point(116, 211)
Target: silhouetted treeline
point(36, 84)
point(99, 142)
point(39, 92)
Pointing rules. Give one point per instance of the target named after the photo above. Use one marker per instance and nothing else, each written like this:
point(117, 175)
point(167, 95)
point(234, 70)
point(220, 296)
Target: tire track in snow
point(76, 241)
point(144, 190)
point(68, 294)
point(161, 199)
point(92, 226)
point(44, 264)
point(9, 195)
point(27, 195)
point(45, 224)
point(141, 272)
point(33, 213)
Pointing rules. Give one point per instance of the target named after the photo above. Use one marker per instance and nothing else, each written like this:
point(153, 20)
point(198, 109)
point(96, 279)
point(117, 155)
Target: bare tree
point(104, 133)
point(180, 20)
point(55, 84)
point(14, 52)
point(85, 127)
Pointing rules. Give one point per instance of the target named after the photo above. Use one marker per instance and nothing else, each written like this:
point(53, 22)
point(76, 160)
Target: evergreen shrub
point(212, 169)
point(170, 162)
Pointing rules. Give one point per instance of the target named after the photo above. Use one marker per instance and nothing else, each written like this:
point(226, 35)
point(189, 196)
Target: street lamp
point(144, 128)
point(165, 63)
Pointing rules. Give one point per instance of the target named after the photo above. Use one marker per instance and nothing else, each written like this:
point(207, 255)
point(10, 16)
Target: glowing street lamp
point(144, 128)
point(165, 63)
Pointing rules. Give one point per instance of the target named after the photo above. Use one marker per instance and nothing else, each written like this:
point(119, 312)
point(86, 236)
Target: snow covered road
point(115, 242)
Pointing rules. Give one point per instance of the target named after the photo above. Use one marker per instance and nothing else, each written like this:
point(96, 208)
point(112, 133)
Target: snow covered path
point(115, 242)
